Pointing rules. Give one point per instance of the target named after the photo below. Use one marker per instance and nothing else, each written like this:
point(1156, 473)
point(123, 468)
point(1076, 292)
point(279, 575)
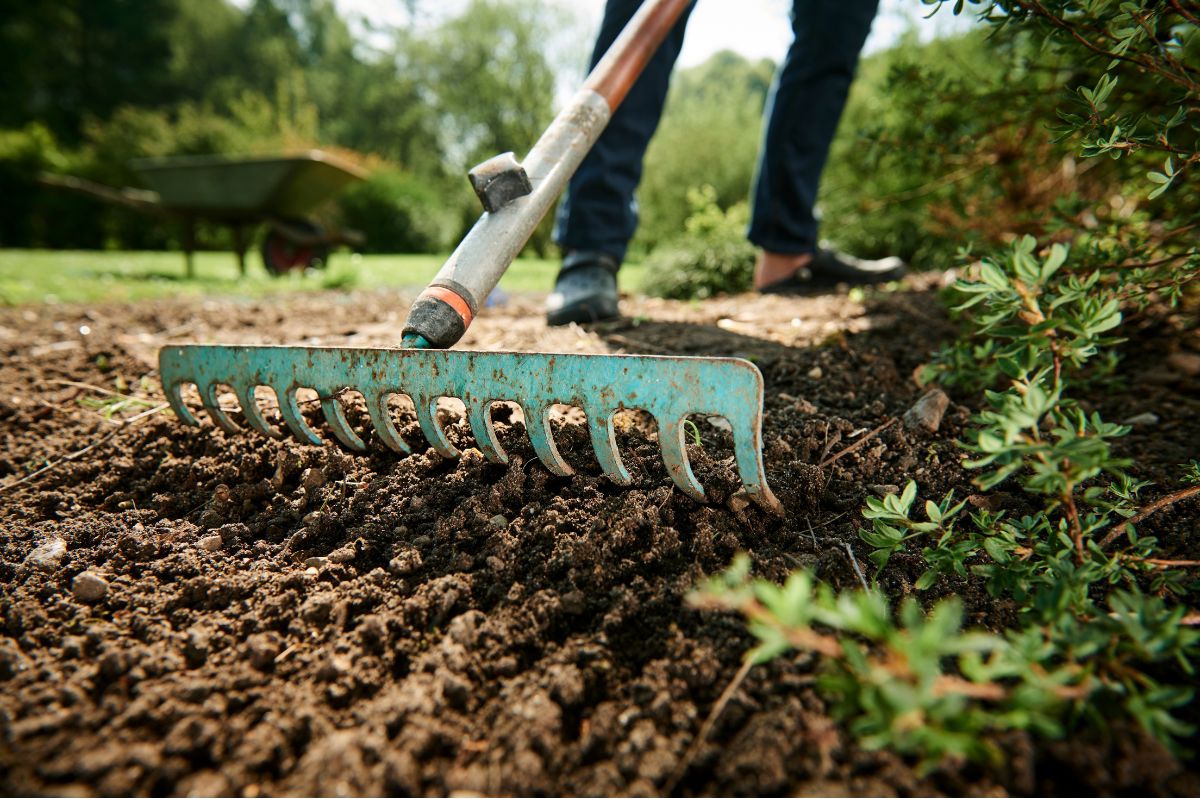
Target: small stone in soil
point(49, 555)
point(816, 373)
point(885, 489)
point(498, 522)
point(312, 478)
point(89, 587)
point(343, 555)
point(1147, 419)
point(1186, 362)
point(407, 561)
point(211, 543)
point(317, 562)
point(804, 406)
point(928, 411)
point(261, 651)
point(738, 501)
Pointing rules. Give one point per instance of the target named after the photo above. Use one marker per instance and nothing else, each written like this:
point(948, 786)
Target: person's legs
point(803, 109)
point(598, 213)
point(598, 216)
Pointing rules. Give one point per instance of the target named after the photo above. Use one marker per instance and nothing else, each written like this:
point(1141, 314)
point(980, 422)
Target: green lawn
point(41, 276)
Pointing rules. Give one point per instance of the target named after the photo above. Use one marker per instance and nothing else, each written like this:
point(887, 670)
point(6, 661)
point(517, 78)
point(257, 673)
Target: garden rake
point(515, 197)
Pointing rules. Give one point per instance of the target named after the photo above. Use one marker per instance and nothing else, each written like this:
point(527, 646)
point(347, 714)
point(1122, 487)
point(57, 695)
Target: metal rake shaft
point(669, 388)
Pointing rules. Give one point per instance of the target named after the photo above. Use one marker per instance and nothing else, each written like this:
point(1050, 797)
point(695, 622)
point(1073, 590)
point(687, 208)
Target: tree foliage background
point(90, 85)
point(964, 142)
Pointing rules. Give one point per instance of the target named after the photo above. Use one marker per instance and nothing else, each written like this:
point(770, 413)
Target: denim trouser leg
point(598, 212)
point(803, 110)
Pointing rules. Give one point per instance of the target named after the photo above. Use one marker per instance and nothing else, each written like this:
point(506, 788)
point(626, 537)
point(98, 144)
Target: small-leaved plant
point(1104, 626)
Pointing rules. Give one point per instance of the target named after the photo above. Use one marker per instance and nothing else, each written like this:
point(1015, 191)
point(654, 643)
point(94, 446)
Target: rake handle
point(442, 313)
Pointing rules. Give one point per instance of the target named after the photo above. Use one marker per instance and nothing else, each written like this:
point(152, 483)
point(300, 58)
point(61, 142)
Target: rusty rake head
point(669, 388)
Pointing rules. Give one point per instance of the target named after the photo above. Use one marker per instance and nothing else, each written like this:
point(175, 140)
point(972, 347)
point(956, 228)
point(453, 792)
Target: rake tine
point(174, 393)
point(750, 468)
point(604, 444)
point(213, 405)
point(479, 415)
point(427, 417)
point(537, 425)
point(335, 417)
point(289, 409)
point(674, 452)
point(381, 420)
point(254, 413)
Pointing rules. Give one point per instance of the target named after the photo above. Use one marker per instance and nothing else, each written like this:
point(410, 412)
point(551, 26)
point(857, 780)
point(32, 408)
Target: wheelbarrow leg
point(189, 245)
point(239, 247)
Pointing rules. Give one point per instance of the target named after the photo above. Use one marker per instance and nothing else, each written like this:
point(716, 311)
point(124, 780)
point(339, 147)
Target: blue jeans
point(803, 109)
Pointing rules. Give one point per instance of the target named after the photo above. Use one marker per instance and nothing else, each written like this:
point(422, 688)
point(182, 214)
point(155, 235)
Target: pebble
point(89, 587)
point(343, 555)
point(928, 411)
point(721, 423)
point(48, 555)
point(738, 501)
point(1147, 419)
point(1186, 362)
point(211, 543)
point(804, 406)
point(261, 650)
point(312, 478)
point(498, 522)
point(816, 373)
point(406, 561)
point(316, 563)
point(883, 489)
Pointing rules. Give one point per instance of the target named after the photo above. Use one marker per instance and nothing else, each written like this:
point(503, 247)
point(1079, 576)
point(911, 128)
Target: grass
point(30, 277)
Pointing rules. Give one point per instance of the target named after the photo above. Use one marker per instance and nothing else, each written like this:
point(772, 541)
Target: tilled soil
point(281, 618)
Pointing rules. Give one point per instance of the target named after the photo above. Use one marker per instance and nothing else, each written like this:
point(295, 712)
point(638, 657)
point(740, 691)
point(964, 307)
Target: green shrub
point(711, 256)
point(1101, 632)
point(398, 213)
point(1104, 628)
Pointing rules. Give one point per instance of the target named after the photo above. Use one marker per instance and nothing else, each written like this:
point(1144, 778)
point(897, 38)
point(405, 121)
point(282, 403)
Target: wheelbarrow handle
point(516, 196)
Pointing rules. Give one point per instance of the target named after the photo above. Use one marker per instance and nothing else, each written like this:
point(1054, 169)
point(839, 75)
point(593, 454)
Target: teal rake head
point(669, 388)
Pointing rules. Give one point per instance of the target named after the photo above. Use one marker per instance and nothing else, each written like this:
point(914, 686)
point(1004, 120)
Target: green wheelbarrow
point(241, 192)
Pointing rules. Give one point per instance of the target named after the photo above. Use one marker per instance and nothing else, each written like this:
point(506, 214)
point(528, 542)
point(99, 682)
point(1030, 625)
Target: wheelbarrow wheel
point(282, 253)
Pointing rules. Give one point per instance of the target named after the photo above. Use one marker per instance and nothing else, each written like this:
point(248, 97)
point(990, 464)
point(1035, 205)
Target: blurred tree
point(709, 136)
point(487, 78)
point(68, 59)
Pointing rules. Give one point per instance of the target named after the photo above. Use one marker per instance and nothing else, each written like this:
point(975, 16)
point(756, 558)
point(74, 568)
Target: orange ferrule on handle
point(618, 70)
point(451, 298)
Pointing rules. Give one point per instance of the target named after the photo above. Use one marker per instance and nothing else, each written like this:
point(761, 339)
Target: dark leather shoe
point(829, 268)
point(586, 289)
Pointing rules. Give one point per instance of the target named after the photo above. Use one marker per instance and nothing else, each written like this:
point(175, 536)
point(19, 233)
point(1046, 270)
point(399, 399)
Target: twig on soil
point(79, 453)
point(1156, 505)
point(1164, 563)
point(285, 654)
point(857, 569)
point(62, 460)
point(857, 444)
point(706, 728)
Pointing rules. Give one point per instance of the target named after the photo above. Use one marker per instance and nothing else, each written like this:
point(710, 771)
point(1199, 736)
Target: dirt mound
point(265, 617)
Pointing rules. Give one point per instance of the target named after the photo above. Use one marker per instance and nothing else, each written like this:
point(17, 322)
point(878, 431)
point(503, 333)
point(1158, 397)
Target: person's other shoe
point(829, 268)
point(586, 289)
